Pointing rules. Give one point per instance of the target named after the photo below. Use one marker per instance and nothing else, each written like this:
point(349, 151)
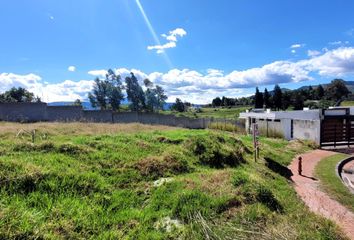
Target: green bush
point(69, 148)
point(155, 167)
point(216, 151)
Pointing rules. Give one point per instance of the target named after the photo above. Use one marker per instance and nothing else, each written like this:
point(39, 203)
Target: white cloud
point(198, 86)
point(337, 62)
point(336, 43)
point(297, 45)
point(313, 53)
point(9, 80)
point(71, 68)
point(65, 91)
point(161, 48)
point(98, 73)
point(171, 37)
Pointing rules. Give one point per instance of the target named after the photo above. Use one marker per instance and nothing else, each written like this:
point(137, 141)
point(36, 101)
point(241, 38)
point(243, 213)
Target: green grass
point(222, 113)
point(347, 103)
point(98, 181)
point(326, 172)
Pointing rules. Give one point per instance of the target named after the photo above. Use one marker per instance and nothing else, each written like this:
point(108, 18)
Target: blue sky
point(201, 49)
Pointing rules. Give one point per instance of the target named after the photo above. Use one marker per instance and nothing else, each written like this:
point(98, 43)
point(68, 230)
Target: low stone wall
point(63, 113)
point(35, 112)
point(97, 116)
point(23, 112)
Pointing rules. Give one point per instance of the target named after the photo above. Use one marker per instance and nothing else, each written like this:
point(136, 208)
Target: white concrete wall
point(286, 125)
point(271, 128)
point(307, 130)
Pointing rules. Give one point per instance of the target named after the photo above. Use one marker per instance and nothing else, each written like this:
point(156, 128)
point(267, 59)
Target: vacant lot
point(104, 181)
point(222, 113)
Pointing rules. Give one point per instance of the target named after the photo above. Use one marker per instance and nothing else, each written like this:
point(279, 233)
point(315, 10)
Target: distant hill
point(348, 84)
point(85, 105)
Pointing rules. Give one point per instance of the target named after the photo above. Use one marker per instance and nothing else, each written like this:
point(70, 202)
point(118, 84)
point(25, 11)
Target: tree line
point(312, 97)
point(282, 99)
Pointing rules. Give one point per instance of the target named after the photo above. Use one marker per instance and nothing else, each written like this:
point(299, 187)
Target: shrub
point(46, 147)
point(216, 151)
point(156, 167)
point(69, 148)
point(27, 147)
point(162, 139)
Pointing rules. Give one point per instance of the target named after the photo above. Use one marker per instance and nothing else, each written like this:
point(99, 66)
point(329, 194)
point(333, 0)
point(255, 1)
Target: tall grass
point(83, 183)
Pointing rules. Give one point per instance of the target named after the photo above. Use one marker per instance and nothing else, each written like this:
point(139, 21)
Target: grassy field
point(347, 103)
point(326, 172)
point(104, 181)
point(224, 113)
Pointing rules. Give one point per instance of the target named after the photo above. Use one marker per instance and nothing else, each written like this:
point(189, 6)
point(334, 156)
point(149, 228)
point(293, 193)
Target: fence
point(35, 112)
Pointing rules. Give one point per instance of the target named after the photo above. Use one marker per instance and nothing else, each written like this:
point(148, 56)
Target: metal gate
point(337, 128)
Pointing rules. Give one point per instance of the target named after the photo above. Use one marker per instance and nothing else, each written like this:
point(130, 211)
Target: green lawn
point(109, 181)
point(223, 113)
point(326, 172)
point(347, 103)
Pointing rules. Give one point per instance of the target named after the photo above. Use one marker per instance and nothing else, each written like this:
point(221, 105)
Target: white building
point(304, 124)
point(330, 127)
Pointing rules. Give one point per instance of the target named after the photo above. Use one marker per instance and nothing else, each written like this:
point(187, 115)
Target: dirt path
point(319, 202)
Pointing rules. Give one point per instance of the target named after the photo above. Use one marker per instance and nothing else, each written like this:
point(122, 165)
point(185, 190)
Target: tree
point(98, 96)
point(337, 90)
point(155, 98)
point(258, 99)
point(311, 93)
point(115, 88)
point(277, 97)
point(107, 93)
point(135, 93)
point(178, 106)
point(286, 100)
point(18, 95)
point(217, 102)
point(78, 103)
point(161, 97)
point(267, 100)
point(319, 92)
point(298, 100)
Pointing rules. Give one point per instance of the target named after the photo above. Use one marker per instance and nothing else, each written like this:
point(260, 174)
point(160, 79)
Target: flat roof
point(298, 115)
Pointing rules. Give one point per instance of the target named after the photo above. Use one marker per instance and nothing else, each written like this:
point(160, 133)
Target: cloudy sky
point(195, 49)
